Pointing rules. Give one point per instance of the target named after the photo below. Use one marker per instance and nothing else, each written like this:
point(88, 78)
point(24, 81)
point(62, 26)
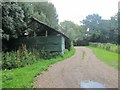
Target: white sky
point(77, 10)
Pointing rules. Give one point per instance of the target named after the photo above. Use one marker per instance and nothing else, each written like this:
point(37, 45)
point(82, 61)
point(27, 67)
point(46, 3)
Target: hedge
point(107, 46)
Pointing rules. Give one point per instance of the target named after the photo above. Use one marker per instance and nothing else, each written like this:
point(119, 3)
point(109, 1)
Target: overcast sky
point(77, 10)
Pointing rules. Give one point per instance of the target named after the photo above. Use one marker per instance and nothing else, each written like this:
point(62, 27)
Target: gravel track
point(71, 72)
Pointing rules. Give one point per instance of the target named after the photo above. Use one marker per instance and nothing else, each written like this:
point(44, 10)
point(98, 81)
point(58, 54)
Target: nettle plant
point(17, 59)
point(23, 57)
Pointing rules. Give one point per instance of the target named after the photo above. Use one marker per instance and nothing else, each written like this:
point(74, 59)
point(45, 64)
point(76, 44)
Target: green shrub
point(45, 54)
point(15, 59)
point(107, 46)
point(21, 58)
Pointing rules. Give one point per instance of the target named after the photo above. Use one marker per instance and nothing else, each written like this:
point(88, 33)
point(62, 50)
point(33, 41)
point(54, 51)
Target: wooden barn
point(44, 38)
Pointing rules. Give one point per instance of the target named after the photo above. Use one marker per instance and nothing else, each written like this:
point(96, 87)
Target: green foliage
point(107, 57)
point(101, 30)
point(45, 54)
point(1, 79)
point(94, 29)
point(24, 77)
point(107, 46)
point(12, 19)
point(16, 16)
point(28, 10)
point(119, 27)
point(47, 13)
point(73, 31)
point(42, 17)
point(16, 59)
point(92, 21)
point(3, 35)
point(20, 58)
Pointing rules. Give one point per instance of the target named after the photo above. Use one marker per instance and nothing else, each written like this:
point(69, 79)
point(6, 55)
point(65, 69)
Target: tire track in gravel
point(71, 72)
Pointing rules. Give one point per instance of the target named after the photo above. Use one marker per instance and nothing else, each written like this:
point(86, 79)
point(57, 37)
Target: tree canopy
point(47, 13)
point(101, 30)
point(94, 29)
point(16, 16)
point(72, 30)
point(12, 19)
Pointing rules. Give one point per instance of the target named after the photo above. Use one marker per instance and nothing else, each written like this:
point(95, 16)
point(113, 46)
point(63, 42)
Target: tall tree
point(92, 21)
point(47, 10)
point(101, 30)
point(119, 27)
point(27, 9)
point(73, 31)
point(12, 19)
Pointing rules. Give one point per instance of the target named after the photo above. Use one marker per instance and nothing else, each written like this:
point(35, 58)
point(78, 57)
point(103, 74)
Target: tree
point(27, 9)
point(92, 21)
point(48, 12)
point(73, 31)
point(101, 30)
point(12, 19)
point(119, 27)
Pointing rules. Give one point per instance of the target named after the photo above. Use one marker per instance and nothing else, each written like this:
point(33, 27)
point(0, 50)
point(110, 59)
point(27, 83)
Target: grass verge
point(83, 54)
point(24, 77)
point(107, 57)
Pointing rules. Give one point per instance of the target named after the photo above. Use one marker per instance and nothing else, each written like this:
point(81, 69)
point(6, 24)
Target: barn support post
point(46, 33)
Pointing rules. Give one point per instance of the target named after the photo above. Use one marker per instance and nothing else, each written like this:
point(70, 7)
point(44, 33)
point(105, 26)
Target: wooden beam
point(50, 28)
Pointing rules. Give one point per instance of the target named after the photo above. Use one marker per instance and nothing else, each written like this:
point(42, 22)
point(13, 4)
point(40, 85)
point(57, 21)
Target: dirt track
point(72, 71)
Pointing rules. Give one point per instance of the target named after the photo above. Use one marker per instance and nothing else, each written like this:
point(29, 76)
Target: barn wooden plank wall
point(49, 43)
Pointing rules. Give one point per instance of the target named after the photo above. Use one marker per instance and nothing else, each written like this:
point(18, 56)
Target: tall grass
point(107, 46)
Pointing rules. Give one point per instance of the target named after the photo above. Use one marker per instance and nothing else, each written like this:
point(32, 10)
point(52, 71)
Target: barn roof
point(50, 28)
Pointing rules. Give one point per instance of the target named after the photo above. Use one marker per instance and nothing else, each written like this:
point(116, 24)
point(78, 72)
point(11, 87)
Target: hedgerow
point(107, 46)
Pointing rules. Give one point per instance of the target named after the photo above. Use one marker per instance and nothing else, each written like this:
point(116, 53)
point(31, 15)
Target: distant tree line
point(94, 29)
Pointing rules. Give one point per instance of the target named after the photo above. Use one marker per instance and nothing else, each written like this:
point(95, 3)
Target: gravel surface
point(72, 71)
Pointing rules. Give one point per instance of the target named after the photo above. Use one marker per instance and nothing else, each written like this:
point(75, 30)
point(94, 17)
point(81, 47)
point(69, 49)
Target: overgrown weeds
point(23, 57)
point(107, 46)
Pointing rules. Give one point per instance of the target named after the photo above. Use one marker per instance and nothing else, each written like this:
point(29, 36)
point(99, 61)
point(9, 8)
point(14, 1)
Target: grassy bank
point(24, 77)
point(108, 57)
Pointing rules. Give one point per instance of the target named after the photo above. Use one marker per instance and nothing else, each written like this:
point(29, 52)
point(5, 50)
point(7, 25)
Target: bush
point(45, 54)
point(16, 59)
point(107, 46)
point(23, 57)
